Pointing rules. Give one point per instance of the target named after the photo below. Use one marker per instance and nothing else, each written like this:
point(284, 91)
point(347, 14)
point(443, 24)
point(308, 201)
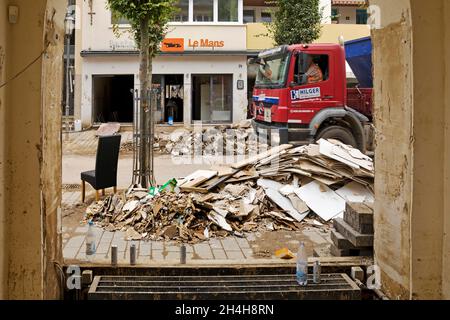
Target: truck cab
point(301, 95)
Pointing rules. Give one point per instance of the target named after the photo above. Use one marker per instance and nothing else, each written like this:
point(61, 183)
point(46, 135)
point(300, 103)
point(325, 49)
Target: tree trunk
point(144, 105)
point(151, 122)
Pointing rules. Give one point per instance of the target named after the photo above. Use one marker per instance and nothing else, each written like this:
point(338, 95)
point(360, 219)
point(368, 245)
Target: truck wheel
point(339, 133)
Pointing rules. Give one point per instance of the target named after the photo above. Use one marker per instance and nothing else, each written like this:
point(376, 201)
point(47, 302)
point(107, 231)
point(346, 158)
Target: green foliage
point(158, 13)
point(296, 21)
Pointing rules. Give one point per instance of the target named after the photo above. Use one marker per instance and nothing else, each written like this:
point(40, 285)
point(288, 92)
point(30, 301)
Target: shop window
point(212, 98)
point(182, 14)
point(228, 10)
point(266, 17)
point(203, 10)
point(361, 16)
point(249, 16)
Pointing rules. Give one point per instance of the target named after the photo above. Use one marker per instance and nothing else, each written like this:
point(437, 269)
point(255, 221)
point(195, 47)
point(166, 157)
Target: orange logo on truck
point(172, 45)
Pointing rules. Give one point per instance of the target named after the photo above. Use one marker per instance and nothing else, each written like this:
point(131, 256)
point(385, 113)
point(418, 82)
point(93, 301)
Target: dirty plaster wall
point(393, 120)
point(411, 116)
point(446, 246)
point(3, 212)
point(32, 151)
point(427, 216)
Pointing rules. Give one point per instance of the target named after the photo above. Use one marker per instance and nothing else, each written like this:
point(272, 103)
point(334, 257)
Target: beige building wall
point(411, 117)
point(258, 37)
point(30, 158)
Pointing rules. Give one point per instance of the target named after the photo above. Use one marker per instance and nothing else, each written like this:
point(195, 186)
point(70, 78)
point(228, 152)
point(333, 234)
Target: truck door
point(312, 87)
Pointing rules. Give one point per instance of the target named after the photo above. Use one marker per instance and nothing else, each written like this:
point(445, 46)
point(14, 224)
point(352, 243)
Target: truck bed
point(360, 99)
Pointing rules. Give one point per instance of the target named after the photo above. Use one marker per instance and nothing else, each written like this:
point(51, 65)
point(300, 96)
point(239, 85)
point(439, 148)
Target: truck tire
point(339, 133)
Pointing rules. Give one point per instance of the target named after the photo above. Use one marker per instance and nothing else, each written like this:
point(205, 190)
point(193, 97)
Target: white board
point(322, 200)
point(355, 192)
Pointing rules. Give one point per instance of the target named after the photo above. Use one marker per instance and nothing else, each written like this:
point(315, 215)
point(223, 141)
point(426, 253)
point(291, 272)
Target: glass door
point(212, 98)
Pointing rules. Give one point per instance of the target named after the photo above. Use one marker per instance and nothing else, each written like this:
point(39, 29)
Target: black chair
point(105, 173)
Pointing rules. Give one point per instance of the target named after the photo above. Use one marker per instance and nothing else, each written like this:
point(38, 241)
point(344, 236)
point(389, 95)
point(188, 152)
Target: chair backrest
point(106, 162)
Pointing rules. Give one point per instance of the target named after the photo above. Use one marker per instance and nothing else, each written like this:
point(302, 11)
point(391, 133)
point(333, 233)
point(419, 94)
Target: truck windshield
point(272, 70)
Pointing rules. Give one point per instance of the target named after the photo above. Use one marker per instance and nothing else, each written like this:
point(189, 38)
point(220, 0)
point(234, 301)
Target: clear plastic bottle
point(302, 265)
point(90, 241)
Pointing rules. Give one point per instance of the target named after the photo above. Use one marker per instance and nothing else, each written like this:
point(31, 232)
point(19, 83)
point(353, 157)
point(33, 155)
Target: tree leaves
point(296, 21)
point(158, 12)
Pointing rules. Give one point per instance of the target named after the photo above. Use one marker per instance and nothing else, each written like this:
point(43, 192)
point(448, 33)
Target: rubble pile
point(238, 139)
point(282, 188)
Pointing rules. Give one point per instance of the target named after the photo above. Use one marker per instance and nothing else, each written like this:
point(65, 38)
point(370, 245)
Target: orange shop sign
point(172, 45)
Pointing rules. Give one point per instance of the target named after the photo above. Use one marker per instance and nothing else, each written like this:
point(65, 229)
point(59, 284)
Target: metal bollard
point(114, 255)
point(317, 269)
point(183, 254)
point(133, 254)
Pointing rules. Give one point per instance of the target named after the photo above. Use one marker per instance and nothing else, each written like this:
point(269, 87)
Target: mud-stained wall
point(32, 150)
point(393, 120)
point(446, 246)
point(413, 157)
point(3, 251)
point(427, 217)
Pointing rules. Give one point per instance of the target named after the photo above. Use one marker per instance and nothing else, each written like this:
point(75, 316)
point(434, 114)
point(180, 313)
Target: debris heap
point(238, 139)
point(282, 188)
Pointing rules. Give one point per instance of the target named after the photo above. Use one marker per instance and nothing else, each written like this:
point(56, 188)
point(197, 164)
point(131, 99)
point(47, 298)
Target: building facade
point(349, 11)
point(201, 73)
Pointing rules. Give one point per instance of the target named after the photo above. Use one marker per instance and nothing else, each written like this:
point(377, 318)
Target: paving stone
point(322, 251)
point(243, 243)
point(83, 229)
point(215, 244)
point(158, 245)
point(203, 250)
point(235, 255)
point(230, 244)
point(172, 248)
point(157, 255)
point(248, 253)
point(145, 248)
point(70, 253)
point(219, 254)
point(314, 236)
point(108, 235)
point(122, 245)
point(75, 242)
point(172, 255)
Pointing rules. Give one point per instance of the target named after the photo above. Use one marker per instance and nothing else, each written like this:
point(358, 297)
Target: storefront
point(200, 73)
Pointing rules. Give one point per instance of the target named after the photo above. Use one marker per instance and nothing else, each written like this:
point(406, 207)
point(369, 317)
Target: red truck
point(288, 102)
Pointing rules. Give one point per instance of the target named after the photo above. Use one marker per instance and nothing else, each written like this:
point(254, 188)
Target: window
point(182, 13)
point(203, 10)
point(266, 17)
point(249, 16)
point(272, 70)
point(361, 16)
point(335, 15)
point(117, 18)
point(311, 68)
point(228, 10)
